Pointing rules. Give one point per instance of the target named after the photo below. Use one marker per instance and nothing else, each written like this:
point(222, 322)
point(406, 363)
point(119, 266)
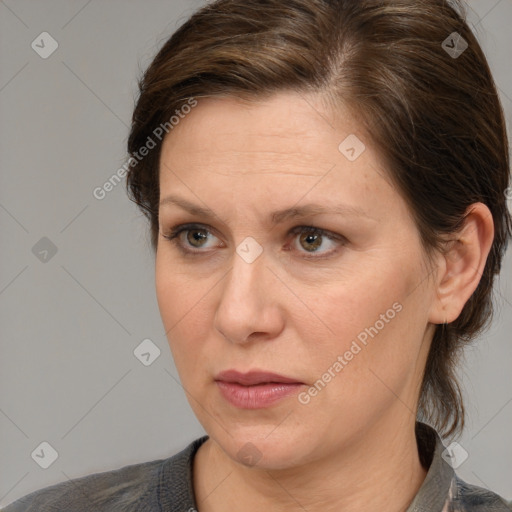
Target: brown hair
point(435, 116)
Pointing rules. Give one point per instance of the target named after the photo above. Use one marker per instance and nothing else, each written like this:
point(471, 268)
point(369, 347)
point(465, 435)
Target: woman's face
point(345, 312)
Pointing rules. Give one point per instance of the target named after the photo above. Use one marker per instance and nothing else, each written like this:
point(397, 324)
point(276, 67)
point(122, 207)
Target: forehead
point(285, 128)
point(287, 142)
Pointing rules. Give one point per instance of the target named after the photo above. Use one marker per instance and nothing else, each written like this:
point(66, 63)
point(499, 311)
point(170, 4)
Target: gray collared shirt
point(166, 485)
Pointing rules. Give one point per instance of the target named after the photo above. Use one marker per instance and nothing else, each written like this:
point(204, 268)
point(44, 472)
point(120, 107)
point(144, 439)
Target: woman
point(325, 182)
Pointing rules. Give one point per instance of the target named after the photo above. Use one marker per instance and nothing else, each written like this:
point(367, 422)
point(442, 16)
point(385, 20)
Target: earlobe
point(463, 264)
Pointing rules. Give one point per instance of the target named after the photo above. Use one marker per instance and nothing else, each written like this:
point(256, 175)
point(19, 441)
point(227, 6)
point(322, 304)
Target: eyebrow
point(276, 217)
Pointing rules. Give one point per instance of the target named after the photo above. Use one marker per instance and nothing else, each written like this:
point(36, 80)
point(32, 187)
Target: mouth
point(256, 389)
point(254, 378)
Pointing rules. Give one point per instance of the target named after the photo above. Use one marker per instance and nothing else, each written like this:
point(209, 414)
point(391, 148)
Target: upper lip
point(253, 377)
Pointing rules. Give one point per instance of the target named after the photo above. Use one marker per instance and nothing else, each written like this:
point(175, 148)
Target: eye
point(312, 239)
point(190, 239)
point(195, 237)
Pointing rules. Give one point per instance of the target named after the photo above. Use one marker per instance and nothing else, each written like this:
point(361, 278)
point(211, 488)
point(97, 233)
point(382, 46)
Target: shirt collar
point(435, 490)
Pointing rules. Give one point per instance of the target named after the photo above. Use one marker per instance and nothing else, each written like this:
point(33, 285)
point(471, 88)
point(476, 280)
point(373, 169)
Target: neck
point(379, 471)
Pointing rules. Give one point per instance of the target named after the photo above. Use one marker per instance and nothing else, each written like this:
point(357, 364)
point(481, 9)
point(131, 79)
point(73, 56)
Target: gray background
point(70, 325)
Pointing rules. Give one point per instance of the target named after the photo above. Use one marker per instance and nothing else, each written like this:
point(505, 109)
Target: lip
point(254, 377)
point(255, 389)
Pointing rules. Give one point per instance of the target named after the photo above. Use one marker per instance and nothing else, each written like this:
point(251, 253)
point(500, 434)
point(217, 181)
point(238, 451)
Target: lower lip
point(258, 396)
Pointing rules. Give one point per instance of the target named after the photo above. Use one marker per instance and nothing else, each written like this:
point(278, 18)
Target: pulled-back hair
point(435, 115)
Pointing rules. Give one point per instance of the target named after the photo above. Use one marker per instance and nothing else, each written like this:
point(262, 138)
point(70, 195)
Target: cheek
point(177, 291)
point(373, 336)
point(182, 305)
point(167, 287)
point(364, 303)
point(185, 304)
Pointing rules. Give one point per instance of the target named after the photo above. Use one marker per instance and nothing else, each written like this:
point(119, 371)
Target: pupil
point(193, 238)
point(313, 239)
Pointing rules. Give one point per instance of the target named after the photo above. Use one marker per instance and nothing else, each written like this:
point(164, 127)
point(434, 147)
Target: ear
point(462, 265)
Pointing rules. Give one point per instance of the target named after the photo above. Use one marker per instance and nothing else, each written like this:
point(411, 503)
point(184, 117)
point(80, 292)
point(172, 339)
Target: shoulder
point(153, 485)
point(471, 498)
point(127, 488)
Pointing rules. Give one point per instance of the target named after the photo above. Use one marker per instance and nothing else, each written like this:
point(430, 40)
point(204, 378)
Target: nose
point(249, 308)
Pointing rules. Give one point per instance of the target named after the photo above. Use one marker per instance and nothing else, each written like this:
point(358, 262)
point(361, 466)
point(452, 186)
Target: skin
point(352, 447)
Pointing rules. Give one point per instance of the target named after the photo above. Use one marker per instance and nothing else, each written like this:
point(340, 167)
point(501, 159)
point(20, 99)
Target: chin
point(255, 447)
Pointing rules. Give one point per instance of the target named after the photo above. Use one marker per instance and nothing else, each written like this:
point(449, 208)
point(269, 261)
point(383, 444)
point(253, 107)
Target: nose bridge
point(248, 268)
point(245, 304)
point(245, 278)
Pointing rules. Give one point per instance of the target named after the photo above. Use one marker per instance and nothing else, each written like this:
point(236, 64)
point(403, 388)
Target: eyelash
point(173, 237)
